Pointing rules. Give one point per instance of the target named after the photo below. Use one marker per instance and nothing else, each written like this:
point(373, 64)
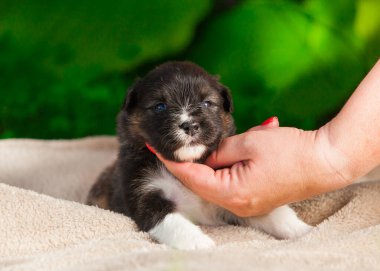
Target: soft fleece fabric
point(57, 232)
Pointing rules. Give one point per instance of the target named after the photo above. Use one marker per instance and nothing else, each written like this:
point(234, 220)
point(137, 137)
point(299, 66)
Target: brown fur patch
point(99, 193)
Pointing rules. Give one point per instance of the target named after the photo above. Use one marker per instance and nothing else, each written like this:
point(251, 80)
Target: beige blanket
point(40, 232)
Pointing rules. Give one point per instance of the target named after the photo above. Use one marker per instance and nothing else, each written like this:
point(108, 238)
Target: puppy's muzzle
point(190, 128)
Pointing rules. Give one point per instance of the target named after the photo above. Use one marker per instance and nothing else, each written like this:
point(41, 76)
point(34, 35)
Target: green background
point(65, 66)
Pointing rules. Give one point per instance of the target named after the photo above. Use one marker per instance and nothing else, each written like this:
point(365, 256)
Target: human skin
point(268, 166)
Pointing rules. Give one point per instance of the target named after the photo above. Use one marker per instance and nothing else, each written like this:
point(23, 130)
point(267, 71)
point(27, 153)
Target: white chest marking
point(187, 203)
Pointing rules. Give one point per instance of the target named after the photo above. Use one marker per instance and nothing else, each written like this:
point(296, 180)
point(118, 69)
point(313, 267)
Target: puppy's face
point(180, 110)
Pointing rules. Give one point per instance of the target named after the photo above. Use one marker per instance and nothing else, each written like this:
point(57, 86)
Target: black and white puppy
point(184, 113)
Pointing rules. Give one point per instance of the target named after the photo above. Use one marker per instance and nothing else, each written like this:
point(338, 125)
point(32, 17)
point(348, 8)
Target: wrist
point(334, 163)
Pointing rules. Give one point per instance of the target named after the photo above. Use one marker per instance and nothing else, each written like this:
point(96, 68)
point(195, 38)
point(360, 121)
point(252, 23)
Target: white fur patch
point(282, 223)
point(180, 133)
point(186, 202)
point(178, 232)
point(184, 117)
point(190, 153)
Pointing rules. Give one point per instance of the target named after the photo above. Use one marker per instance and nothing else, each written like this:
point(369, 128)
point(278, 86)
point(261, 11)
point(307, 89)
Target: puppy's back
point(99, 194)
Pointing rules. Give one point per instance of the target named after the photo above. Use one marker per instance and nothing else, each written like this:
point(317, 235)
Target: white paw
point(282, 223)
point(193, 241)
point(292, 229)
point(178, 232)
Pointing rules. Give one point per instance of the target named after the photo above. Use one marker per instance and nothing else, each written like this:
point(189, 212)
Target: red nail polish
point(150, 148)
point(269, 120)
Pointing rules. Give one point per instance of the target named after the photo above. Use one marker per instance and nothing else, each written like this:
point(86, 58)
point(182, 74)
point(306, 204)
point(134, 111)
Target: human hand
point(268, 166)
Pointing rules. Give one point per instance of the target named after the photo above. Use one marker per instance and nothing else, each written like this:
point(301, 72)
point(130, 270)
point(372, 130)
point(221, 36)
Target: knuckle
point(248, 141)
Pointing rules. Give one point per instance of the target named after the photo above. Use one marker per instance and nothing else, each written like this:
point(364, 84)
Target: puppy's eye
point(160, 107)
point(206, 104)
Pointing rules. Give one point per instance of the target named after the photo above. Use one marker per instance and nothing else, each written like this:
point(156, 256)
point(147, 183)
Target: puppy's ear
point(227, 98)
point(130, 99)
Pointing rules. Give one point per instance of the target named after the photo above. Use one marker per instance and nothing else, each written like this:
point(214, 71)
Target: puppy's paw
point(178, 232)
point(292, 228)
point(282, 223)
point(193, 241)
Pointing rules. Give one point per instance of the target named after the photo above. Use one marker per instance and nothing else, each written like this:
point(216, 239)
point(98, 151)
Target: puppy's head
point(180, 110)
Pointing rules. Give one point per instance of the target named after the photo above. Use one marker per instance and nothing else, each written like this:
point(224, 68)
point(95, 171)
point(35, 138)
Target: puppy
point(184, 113)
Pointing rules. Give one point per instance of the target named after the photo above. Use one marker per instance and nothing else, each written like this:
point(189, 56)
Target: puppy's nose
point(190, 128)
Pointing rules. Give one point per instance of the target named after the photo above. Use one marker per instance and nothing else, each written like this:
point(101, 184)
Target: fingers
point(229, 152)
point(197, 177)
point(269, 123)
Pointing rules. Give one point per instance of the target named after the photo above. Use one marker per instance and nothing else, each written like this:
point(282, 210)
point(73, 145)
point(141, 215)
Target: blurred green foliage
point(65, 66)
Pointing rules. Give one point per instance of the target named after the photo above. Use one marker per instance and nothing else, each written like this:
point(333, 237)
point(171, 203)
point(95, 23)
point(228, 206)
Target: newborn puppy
point(184, 113)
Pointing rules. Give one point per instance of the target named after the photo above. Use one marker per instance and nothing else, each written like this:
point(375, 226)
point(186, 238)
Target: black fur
point(175, 84)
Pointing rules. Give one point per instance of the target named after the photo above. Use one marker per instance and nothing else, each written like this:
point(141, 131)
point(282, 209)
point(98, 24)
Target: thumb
point(269, 123)
point(230, 151)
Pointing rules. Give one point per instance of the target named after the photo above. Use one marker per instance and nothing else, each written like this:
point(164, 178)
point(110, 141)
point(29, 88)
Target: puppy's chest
point(186, 202)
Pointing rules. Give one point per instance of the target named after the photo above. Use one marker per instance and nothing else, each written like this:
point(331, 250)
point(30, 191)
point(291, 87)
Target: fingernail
point(269, 120)
point(150, 148)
